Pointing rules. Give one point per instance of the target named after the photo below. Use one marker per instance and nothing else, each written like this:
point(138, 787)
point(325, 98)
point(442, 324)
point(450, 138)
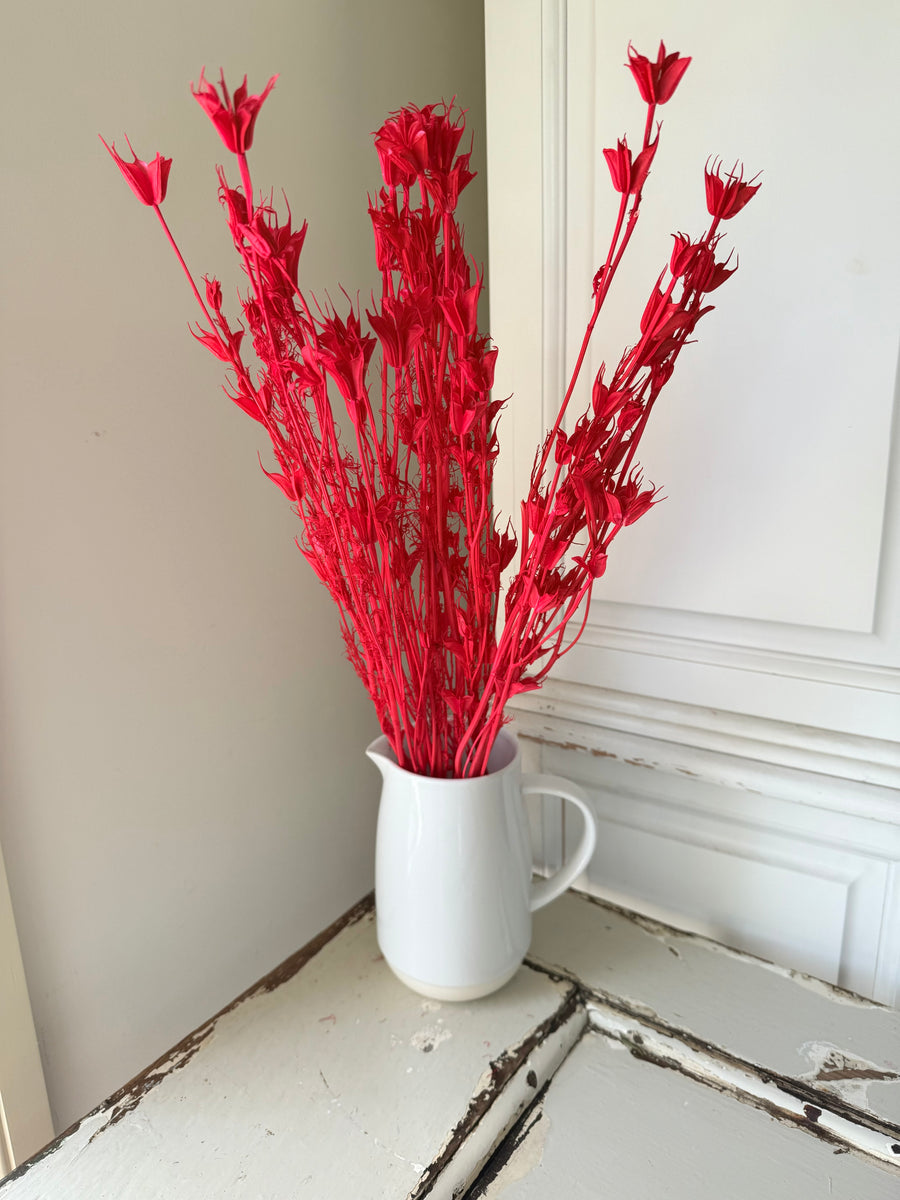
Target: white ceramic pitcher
point(453, 864)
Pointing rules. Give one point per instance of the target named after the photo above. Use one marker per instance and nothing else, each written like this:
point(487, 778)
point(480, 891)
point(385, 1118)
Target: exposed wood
point(777, 1021)
point(624, 1050)
point(506, 1163)
point(614, 1124)
point(514, 1081)
point(590, 709)
point(783, 1099)
point(128, 1096)
point(328, 1074)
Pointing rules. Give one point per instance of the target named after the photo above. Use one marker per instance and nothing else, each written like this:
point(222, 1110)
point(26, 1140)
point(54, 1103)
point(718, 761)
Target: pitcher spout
point(382, 755)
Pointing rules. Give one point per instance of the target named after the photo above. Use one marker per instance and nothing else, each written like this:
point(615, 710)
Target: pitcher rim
point(381, 747)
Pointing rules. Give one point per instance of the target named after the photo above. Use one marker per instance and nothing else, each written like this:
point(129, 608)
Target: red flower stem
point(184, 266)
point(560, 628)
point(359, 608)
point(388, 593)
point(248, 187)
point(479, 766)
point(476, 758)
point(609, 269)
point(602, 290)
point(485, 699)
point(648, 126)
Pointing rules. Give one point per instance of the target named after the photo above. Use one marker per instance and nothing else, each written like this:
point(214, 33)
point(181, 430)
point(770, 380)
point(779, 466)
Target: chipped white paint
point(331, 1079)
point(528, 1152)
point(430, 1038)
point(670, 936)
point(779, 873)
point(321, 1081)
point(750, 1087)
point(540, 1066)
point(618, 1126)
point(760, 1014)
point(844, 1075)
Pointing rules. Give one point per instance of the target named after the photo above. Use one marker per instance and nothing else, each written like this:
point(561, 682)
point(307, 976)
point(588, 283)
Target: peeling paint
point(669, 935)
point(520, 1152)
point(430, 1038)
point(594, 751)
point(828, 1102)
point(842, 1074)
point(289, 968)
point(784, 1100)
point(131, 1098)
point(499, 1073)
point(128, 1097)
point(846, 1107)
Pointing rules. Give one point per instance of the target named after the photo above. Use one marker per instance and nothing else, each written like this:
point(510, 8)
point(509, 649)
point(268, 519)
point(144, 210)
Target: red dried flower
point(627, 176)
point(402, 147)
point(344, 352)
point(726, 197)
point(399, 330)
point(395, 496)
point(684, 253)
point(148, 180)
point(634, 501)
point(233, 116)
point(594, 562)
point(460, 307)
point(658, 80)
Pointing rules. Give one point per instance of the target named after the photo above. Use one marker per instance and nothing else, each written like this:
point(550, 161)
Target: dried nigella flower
point(389, 463)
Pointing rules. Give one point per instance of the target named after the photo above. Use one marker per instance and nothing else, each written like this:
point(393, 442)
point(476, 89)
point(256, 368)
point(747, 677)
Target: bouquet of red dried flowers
point(394, 492)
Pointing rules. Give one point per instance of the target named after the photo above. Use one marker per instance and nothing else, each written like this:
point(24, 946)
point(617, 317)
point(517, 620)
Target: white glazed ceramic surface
point(453, 865)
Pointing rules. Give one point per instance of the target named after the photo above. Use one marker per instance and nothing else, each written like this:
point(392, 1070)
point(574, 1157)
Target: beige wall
point(183, 797)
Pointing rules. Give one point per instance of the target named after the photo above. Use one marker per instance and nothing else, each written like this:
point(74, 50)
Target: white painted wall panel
point(734, 704)
point(786, 403)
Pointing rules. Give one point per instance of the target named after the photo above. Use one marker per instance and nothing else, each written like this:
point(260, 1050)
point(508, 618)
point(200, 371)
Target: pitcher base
point(437, 991)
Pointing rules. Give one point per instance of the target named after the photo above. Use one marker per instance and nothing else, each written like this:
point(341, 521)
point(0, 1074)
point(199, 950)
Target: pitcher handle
point(545, 890)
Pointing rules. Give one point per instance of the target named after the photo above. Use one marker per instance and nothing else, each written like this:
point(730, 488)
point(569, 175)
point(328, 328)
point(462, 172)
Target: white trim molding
point(774, 838)
point(743, 747)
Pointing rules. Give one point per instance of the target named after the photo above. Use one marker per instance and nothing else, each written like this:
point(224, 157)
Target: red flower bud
point(213, 294)
point(461, 418)
point(402, 147)
point(525, 684)
point(562, 450)
point(594, 562)
point(634, 501)
point(223, 350)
